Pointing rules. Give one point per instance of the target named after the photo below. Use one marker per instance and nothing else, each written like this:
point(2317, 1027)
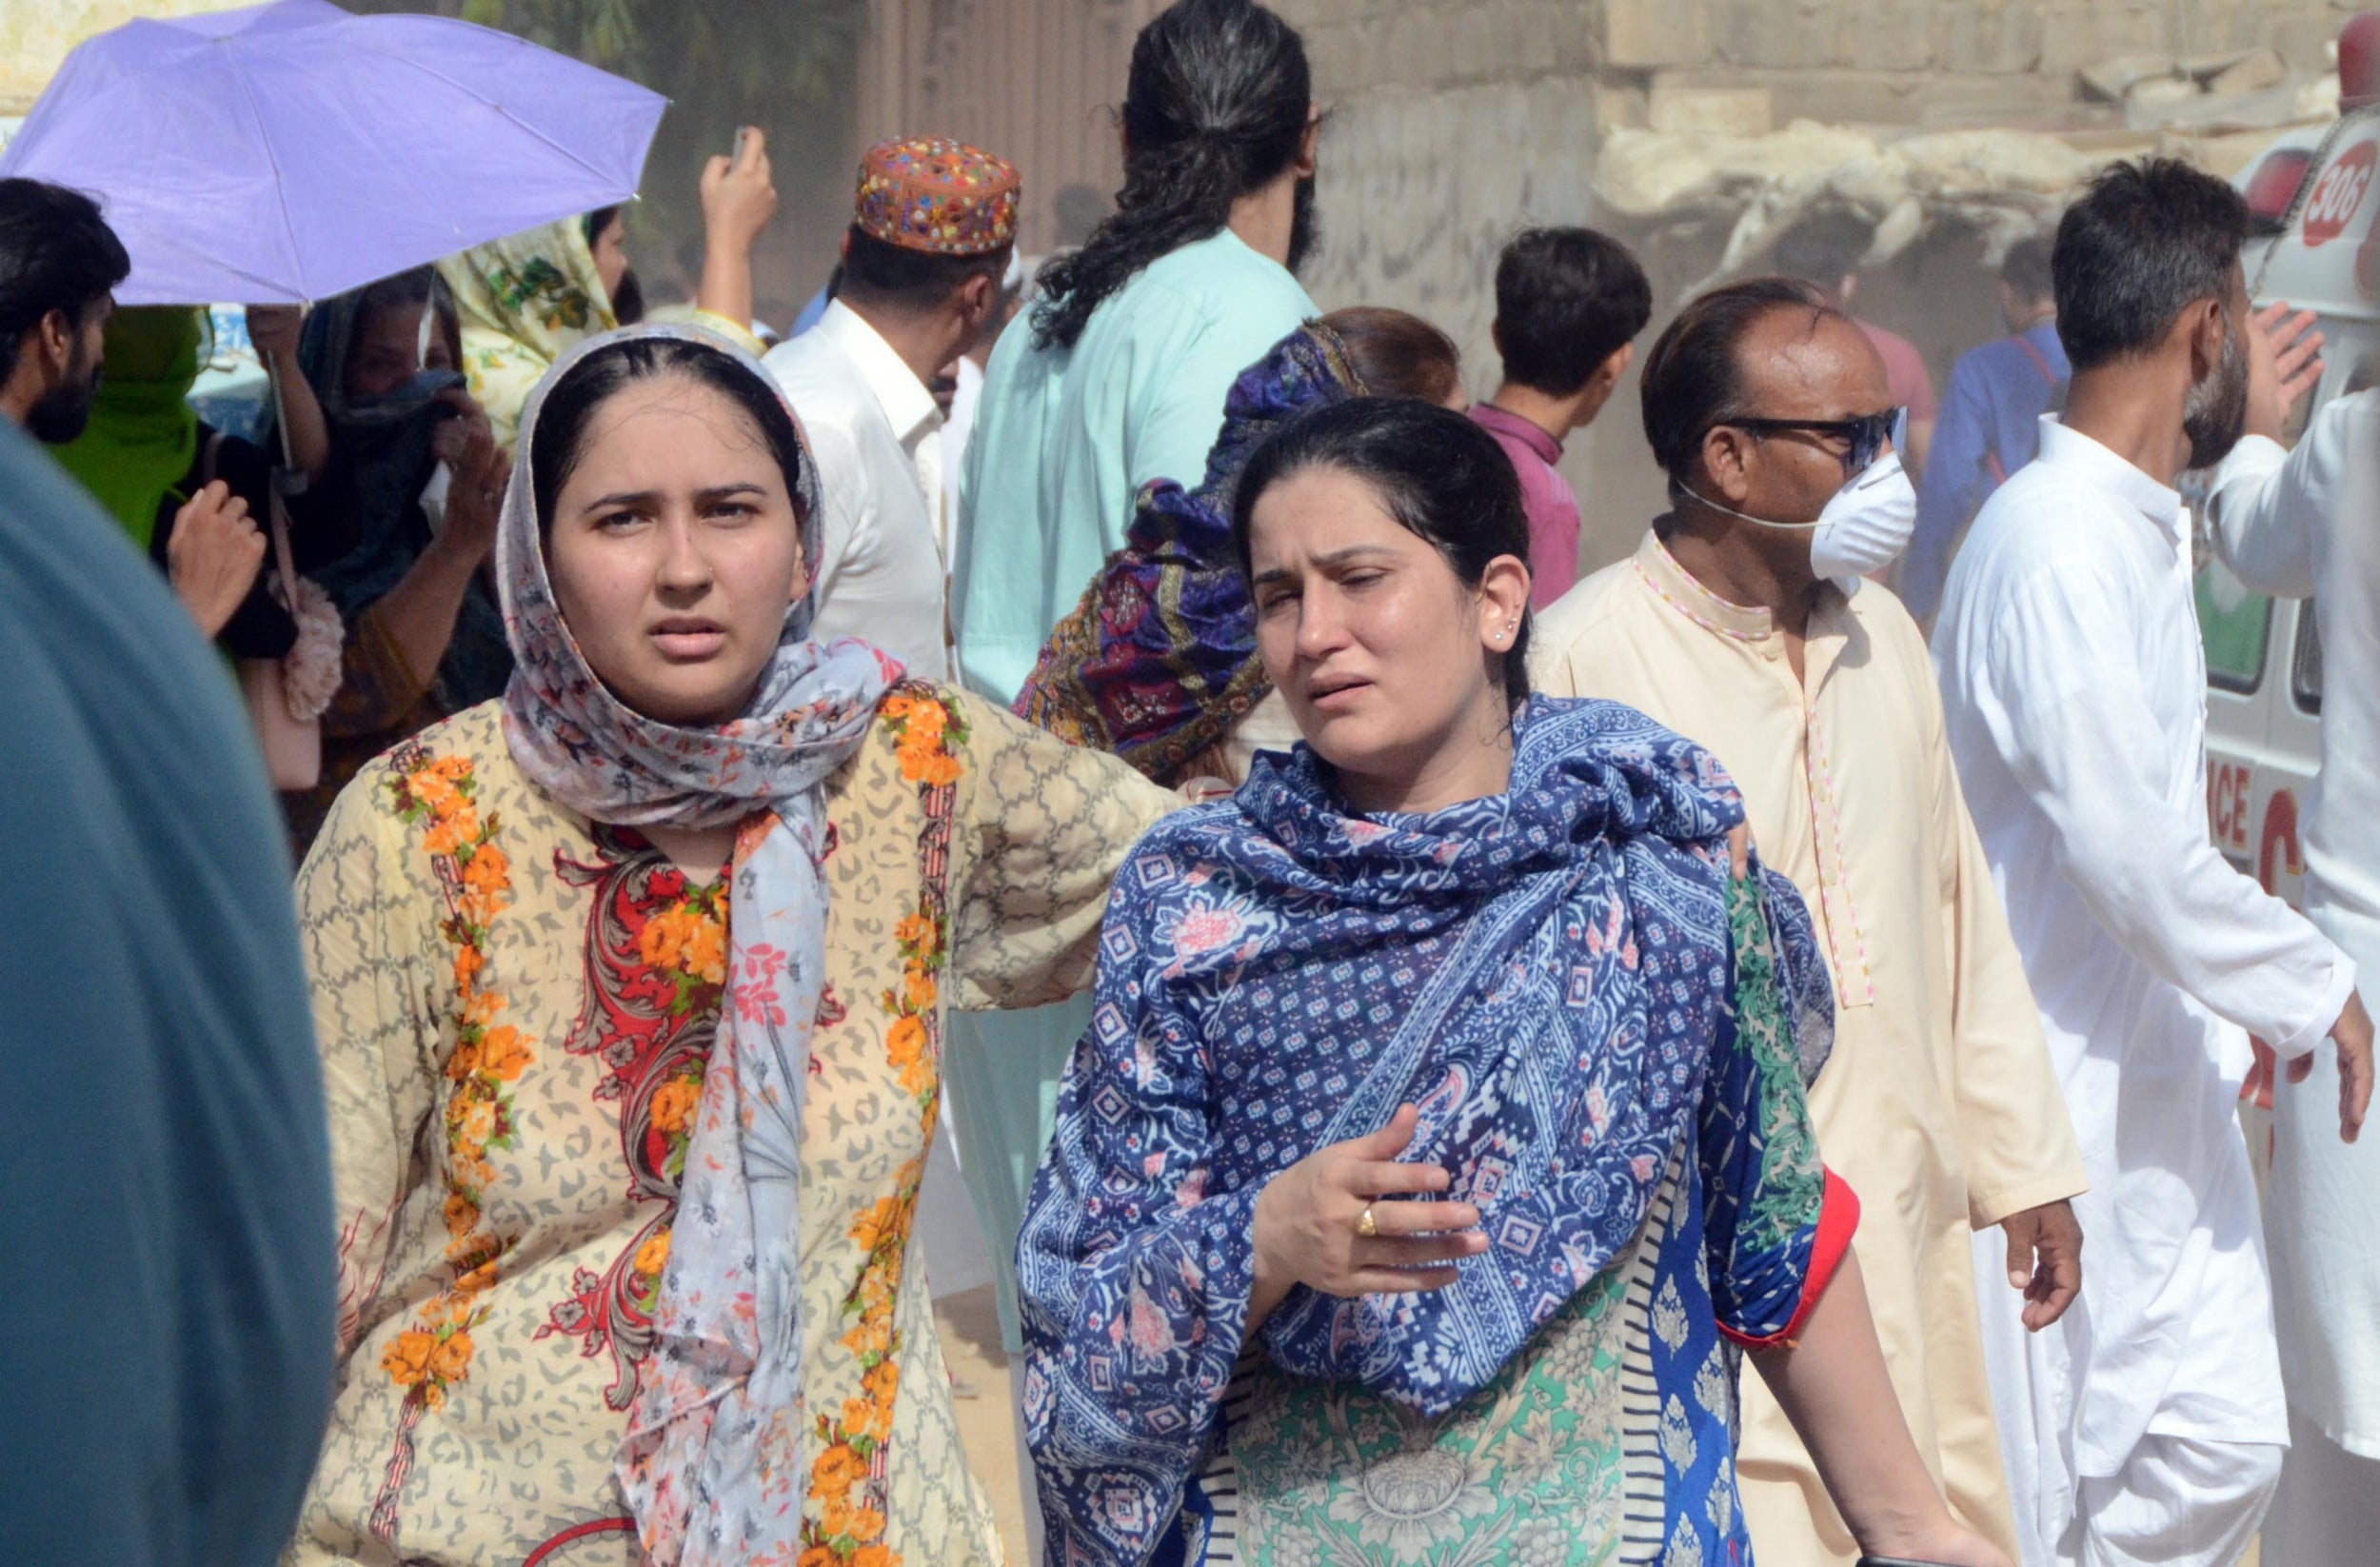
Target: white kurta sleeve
point(2013, 1123)
point(849, 523)
point(2062, 700)
point(2266, 507)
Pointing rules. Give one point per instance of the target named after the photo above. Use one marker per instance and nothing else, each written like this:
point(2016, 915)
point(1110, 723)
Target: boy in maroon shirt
point(1568, 304)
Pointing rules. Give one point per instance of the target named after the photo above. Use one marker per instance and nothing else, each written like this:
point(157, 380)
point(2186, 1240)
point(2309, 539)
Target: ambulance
point(2314, 198)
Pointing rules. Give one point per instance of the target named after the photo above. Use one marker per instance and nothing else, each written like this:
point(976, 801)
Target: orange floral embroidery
point(919, 990)
point(674, 1103)
point(871, 1227)
point(450, 1360)
point(919, 936)
point(843, 1524)
point(688, 941)
point(503, 1054)
point(845, 1516)
point(407, 1359)
point(923, 734)
point(905, 1042)
point(439, 795)
point(918, 931)
point(488, 871)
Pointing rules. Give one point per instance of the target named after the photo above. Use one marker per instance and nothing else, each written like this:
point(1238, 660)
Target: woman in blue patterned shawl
point(1439, 1134)
point(1158, 663)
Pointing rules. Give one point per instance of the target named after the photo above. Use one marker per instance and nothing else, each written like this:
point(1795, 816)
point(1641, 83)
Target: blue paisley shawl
point(1159, 661)
point(1546, 972)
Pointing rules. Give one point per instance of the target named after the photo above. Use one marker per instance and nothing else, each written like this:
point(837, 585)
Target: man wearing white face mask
point(1743, 624)
point(2151, 1427)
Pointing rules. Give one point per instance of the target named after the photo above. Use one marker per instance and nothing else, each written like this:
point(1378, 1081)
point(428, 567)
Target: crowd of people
point(1415, 1022)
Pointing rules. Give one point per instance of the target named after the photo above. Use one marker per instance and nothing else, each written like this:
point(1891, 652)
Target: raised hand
point(478, 470)
point(2283, 362)
point(274, 330)
point(213, 556)
point(739, 198)
point(738, 201)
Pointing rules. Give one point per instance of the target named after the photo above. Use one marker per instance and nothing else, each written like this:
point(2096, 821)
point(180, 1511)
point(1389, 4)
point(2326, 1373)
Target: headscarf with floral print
point(710, 1462)
point(525, 300)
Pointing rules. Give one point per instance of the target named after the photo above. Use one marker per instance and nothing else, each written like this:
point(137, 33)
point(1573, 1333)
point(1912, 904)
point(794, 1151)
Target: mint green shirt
point(1064, 438)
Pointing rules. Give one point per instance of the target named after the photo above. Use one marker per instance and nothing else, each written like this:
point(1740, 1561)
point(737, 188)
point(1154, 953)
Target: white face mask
point(1864, 528)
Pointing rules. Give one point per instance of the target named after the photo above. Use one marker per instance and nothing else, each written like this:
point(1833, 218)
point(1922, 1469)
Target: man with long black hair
point(1139, 334)
point(1118, 378)
point(2148, 1426)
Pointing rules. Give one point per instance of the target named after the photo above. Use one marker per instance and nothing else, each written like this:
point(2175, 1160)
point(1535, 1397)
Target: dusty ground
point(979, 1371)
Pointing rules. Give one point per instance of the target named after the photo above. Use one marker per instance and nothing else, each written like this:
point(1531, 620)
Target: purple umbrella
point(287, 152)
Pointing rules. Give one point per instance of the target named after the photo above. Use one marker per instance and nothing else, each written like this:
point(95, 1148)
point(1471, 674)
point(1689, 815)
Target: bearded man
point(59, 266)
point(2149, 1425)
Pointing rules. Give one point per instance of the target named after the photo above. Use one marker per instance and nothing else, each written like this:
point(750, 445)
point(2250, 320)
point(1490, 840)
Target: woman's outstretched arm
point(1834, 1388)
point(274, 330)
point(1779, 1225)
point(738, 201)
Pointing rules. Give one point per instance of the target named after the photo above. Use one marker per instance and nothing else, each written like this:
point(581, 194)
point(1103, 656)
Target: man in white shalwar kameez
point(2297, 525)
point(2149, 1425)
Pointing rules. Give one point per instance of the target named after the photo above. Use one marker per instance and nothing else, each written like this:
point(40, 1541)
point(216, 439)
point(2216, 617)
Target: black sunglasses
point(1865, 434)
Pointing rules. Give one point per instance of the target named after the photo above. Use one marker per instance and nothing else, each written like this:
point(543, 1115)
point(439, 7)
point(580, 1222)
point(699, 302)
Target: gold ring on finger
point(1366, 1226)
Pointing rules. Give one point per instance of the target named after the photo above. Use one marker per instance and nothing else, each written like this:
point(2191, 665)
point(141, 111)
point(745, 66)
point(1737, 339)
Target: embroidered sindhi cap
point(935, 194)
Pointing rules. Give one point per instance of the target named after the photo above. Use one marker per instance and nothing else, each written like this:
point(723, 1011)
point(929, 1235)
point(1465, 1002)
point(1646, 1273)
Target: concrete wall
point(1455, 122)
point(1036, 81)
point(35, 36)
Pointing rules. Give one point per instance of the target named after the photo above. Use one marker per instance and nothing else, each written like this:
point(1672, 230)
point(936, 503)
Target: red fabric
point(1905, 372)
point(1838, 1217)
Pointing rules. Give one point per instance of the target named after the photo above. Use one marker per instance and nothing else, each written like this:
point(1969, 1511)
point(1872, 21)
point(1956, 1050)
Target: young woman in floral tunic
point(1440, 1121)
point(630, 989)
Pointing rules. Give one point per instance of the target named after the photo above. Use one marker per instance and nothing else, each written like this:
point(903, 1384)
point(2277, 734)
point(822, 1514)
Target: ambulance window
point(2306, 671)
point(2235, 631)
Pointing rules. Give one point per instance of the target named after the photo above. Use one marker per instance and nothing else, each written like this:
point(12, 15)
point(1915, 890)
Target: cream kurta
point(1939, 1106)
point(516, 1008)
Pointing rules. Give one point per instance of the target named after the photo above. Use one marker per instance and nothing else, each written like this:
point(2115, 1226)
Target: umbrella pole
point(280, 418)
point(286, 481)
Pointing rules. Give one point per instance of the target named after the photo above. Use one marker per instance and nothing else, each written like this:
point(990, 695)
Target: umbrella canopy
point(288, 153)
